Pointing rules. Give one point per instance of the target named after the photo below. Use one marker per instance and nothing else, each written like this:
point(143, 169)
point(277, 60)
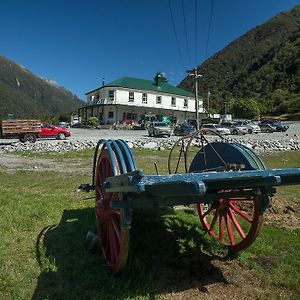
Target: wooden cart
point(227, 182)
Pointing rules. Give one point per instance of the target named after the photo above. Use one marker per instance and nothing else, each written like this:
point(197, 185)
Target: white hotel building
point(133, 98)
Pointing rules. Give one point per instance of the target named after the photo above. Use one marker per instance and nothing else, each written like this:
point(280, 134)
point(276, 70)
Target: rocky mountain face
point(26, 95)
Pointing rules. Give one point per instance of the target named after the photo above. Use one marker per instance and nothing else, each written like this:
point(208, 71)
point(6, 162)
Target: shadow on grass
point(165, 256)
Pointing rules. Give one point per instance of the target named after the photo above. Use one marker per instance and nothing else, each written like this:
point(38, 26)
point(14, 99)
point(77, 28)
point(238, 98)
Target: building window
point(173, 101)
point(185, 102)
point(158, 100)
point(144, 98)
point(110, 114)
point(131, 97)
point(111, 95)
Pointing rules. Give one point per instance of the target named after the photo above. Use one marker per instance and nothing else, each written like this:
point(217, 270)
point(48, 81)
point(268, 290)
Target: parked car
point(268, 128)
point(252, 127)
point(48, 130)
point(278, 125)
point(63, 124)
point(159, 129)
point(184, 129)
point(215, 128)
point(235, 128)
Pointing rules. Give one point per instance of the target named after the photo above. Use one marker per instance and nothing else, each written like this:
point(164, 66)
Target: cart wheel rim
point(113, 237)
point(234, 222)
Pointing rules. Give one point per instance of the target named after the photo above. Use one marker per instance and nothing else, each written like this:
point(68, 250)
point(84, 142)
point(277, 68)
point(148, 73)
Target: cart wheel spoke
point(241, 216)
point(229, 229)
point(116, 230)
point(214, 220)
point(237, 224)
point(241, 213)
point(208, 212)
point(221, 228)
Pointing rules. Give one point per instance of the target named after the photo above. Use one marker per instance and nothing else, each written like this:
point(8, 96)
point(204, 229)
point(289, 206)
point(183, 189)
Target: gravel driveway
point(79, 134)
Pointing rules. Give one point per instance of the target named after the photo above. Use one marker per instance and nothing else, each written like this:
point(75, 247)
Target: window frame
point(173, 101)
point(185, 103)
point(158, 99)
point(110, 93)
point(145, 98)
point(111, 112)
point(131, 96)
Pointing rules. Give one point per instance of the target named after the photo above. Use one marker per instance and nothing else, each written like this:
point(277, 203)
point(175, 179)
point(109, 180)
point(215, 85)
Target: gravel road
point(131, 135)
point(80, 134)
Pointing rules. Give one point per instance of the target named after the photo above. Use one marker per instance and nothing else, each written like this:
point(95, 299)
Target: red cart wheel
point(113, 236)
point(234, 222)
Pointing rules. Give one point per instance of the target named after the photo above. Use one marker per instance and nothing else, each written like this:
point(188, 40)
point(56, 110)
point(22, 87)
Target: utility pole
point(208, 95)
point(195, 74)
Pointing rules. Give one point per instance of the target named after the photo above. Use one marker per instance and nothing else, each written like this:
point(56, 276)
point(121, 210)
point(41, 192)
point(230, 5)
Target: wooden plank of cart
point(24, 130)
point(227, 182)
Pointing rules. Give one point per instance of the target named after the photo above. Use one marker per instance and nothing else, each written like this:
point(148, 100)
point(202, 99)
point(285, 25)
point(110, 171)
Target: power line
point(175, 33)
point(209, 26)
point(185, 30)
point(196, 31)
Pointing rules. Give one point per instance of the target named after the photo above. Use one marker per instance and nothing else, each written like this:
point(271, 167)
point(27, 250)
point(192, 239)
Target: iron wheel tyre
point(113, 236)
point(61, 136)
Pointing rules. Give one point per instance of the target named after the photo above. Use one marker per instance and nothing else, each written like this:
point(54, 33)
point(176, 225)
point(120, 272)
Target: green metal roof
point(146, 85)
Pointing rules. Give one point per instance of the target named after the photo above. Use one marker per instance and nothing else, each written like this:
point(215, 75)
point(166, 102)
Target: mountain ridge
point(256, 65)
point(25, 95)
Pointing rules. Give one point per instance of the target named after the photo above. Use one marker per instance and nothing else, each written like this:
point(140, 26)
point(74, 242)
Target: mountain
point(263, 64)
point(26, 95)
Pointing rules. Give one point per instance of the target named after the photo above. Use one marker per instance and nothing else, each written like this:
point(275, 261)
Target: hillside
point(263, 64)
point(25, 95)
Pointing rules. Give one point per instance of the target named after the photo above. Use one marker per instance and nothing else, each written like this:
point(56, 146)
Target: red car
point(49, 130)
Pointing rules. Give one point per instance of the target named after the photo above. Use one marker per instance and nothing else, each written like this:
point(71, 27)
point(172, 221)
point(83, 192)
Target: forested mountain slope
point(263, 65)
point(25, 95)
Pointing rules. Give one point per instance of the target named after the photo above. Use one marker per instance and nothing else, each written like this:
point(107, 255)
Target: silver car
point(235, 128)
point(252, 128)
point(159, 129)
point(215, 128)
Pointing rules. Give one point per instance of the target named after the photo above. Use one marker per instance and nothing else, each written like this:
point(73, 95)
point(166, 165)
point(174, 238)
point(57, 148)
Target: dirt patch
point(12, 163)
point(238, 283)
point(282, 214)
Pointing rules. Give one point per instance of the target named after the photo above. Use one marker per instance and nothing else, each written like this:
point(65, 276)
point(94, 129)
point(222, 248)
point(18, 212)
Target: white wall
point(137, 106)
point(122, 97)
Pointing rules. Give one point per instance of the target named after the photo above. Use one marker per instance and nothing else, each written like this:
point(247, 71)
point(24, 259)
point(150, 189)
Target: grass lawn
point(43, 252)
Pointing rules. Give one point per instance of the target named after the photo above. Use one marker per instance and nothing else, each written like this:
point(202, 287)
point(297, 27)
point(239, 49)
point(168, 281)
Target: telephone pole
point(195, 74)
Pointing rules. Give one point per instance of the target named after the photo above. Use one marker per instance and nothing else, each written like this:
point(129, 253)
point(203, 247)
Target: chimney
point(160, 78)
point(103, 81)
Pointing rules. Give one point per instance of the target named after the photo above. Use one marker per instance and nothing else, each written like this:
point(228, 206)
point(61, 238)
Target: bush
point(93, 121)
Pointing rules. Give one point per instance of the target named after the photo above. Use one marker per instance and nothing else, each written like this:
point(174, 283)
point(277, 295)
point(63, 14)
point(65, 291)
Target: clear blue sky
point(76, 43)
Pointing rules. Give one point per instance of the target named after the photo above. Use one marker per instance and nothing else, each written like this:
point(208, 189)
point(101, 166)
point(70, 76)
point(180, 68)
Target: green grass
point(43, 253)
